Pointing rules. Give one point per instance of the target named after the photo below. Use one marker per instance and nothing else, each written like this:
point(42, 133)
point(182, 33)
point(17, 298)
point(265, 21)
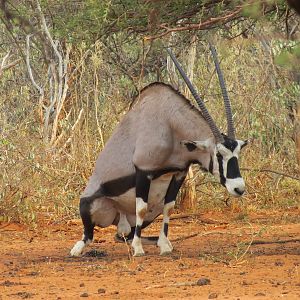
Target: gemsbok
point(140, 170)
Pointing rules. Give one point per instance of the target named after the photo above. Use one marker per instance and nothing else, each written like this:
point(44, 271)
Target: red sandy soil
point(212, 259)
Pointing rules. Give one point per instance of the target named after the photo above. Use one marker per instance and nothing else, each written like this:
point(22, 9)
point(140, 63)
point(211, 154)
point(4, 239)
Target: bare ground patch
point(224, 260)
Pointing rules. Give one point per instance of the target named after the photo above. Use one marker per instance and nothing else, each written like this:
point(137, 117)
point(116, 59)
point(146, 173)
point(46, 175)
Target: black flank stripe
point(142, 184)
point(117, 186)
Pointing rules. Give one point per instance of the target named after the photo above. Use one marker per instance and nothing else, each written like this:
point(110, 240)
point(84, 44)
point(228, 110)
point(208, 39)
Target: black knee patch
point(166, 229)
point(142, 184)
point(86, 219)
point(173, 189)
point(138, 231)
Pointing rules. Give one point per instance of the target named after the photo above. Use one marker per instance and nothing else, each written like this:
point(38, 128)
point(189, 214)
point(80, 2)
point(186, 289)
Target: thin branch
point(177, 284)
point(40, 90)
point(271, 171)
point(12, 64)
point(199, 26)
point(54, 46)
point(201, 234)
point(5, 66)
point(260, 242)
point(4, 59)
point(73, 129)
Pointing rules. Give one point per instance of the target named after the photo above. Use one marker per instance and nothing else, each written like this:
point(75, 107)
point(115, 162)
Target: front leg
point(173, 189)
point(143, 181)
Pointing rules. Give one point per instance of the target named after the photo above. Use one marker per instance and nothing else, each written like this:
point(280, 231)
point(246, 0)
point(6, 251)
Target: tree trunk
point(297, 131)
point(188, 200)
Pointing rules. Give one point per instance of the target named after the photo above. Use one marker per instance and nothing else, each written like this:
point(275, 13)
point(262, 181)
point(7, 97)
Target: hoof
point(165, 246)
point(139, 254)
point(77, 249)
point(166, 253)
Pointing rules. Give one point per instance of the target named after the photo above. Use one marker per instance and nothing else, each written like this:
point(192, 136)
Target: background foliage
point(53, 125)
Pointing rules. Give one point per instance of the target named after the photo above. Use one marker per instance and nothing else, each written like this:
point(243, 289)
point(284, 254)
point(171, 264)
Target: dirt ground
point(212, 259)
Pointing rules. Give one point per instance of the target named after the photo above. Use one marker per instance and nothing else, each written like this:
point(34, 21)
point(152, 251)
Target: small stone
point(81, 284)
point(84, 295)
point(203, 281)
point(101, 291)
point(260, 294)
point(213, 296)
point(279, 263)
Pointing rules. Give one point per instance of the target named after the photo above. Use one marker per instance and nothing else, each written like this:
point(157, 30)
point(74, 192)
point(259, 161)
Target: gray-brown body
point(141, 168)
point(149, 137)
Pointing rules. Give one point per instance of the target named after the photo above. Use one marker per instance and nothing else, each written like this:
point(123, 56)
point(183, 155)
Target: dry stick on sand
point(202, 234)
point(260, 242)
point(204, 220)
point(177, 284)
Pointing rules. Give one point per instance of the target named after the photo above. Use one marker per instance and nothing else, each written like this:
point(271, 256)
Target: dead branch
point(4, 59)
point(177, 284)
point(199, 218)
point(271, 171)
point(29, 69)
point(261, 242)
point(4, 66)
point(199, 26)
point(73, 128)
point(201, 234)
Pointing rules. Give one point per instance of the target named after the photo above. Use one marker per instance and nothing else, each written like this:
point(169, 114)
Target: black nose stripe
point(233, 170)
point(221, 170)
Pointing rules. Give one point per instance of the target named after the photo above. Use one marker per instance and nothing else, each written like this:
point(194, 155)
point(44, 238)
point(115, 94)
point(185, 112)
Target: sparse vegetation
point(43, 177)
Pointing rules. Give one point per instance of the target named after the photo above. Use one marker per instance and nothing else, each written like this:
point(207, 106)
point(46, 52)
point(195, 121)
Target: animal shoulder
point(160, 92)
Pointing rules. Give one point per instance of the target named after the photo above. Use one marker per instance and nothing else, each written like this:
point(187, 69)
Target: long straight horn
point(230, 126)
point(216, 132)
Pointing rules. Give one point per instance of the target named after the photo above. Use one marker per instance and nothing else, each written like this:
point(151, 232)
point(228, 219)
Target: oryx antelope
point(144, 163)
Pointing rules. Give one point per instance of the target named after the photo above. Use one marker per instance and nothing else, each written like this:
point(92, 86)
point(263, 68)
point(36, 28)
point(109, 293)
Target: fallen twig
point(199, 218)
point(177, 284)
point(202, 234)
point(260, 242)
point(5, 225)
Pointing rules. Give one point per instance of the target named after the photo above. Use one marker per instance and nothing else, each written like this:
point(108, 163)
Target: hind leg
point(88, 232)
point(100, 212)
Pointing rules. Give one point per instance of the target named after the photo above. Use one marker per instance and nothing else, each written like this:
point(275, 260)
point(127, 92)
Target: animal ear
point(202, 145)
point(243, 143)
point(190, 145)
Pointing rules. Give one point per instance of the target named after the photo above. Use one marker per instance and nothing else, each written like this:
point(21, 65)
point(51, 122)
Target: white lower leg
point(78, 247)
point(163, 242)
point(141, 209)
